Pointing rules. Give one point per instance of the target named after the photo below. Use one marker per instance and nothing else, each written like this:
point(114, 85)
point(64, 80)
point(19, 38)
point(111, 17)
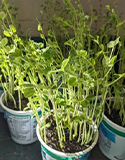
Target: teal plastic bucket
point(51, 154)
point(22, 124)
point(112, 140)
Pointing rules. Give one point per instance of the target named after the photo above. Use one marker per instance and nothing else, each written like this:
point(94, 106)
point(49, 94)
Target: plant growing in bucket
point(67, 90)
point(111, 26)
point(112, 128)
point(12, 49)
point(3, 9)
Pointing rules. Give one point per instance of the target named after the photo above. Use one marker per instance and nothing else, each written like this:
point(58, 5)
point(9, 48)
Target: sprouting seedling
point(11, 49)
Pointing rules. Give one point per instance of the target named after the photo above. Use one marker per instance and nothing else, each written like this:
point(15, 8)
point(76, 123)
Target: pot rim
point(114, 125)
point(11, 110)
point(59, 153)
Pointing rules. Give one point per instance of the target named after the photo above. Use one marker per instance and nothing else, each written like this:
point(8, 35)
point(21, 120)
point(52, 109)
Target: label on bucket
point(105, 138)
point(111, 136)
point(47, 155)
point(22, 128)
point(111, 144)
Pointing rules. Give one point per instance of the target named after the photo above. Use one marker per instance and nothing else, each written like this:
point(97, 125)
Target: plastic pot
point(49, 153)
point(112, 140)
point(22, 124)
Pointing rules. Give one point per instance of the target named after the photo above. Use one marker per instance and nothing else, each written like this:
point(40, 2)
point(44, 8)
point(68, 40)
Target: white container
point(1, 92)
point(22, 124)
point(51, 154)
point(112, 140)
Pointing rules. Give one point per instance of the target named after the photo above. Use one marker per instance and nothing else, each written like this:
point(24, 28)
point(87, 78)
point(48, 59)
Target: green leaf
point(46, 70)
point(2, 16)
point(60, 19)
point(3, 42)
point(84, 104)
point(112, 44)
point(64, 85)
point(50, 34)
point(82, 117)
point(43, 37)
point(112, 61)
point(13, 29)
point(48, 54)
point(29, 92)
point(83, 52)
point(39, 27)
point(64, 63)
point(105, 61)
point(61, 102)
point(45, 98)
point(15, 54)
point(120, 24)
point(121, 75)
point(65, 23)
point(90, 97)
point(108, 7)
point(72, 81)
point(7, 33)
point(69, 42)
point(96, 40)
point(68, 107)
point(100, 81)
point(75, 118)
point(98, 53)
point(27, 85)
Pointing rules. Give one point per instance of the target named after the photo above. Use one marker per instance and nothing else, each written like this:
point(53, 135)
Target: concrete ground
point(9, 150)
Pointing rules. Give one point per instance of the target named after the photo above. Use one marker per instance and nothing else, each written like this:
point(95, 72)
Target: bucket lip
point(59, 153)
point(11, 110)
point(114, 125)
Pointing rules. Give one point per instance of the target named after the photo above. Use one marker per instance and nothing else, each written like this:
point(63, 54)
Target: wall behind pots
point(28, 10)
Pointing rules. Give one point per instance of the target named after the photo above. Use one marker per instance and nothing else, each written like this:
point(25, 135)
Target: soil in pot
point(114, 116)
point(10, 103)
point(68, 146)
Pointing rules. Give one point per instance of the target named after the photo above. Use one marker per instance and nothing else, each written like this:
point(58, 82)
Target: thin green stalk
point(55, 113)
point(19, 98)
point(80, 128)
point(84, 133)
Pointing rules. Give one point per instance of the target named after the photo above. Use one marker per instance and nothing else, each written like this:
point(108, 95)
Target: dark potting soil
point(10, 103)
point(68, 146)
point(114, 116)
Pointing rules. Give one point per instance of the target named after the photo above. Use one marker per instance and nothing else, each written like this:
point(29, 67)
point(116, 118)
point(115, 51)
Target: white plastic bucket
point(1, 92)
point(112, 140)
point(51, 154)
point(22, 124)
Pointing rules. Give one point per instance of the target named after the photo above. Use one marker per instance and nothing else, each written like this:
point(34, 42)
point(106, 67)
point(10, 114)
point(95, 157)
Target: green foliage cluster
point(71, 22)
point(71, 80)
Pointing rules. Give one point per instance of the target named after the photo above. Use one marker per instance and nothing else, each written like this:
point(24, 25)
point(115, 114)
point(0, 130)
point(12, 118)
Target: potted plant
point(67, 91)
point(112, 128)
point(112, 131)
point(12, 48)
point(2, 16)
point(67, 88)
